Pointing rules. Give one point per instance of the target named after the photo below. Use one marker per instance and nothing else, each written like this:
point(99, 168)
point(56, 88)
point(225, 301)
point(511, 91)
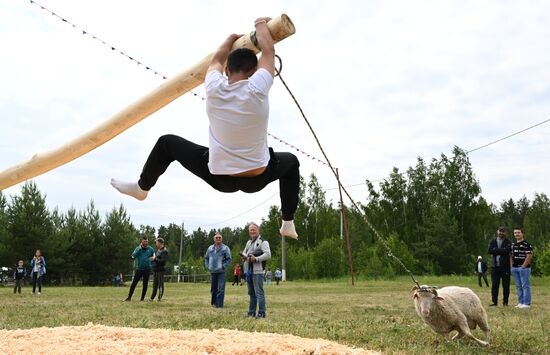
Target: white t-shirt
point(238, 115)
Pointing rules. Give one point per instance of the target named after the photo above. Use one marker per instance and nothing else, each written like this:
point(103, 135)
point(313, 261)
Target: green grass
point(377, 315)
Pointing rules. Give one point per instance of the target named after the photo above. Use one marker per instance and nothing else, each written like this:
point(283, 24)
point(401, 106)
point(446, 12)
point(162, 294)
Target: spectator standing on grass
point(116, 280)
point(159, 261)
point(38, 270)
point(143, 255)
point(216, 260)
point(236, 274)
point(278, 276)
point(500, 248)
point(268, 276)
point(256, 253)
point(522, 253)
point(481, 271)
point(19, 276)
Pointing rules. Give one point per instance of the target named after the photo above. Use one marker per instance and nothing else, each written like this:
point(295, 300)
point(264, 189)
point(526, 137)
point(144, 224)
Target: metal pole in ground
point(181, 247)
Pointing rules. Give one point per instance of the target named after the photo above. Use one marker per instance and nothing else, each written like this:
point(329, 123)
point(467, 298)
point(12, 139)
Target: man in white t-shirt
point(238, 157)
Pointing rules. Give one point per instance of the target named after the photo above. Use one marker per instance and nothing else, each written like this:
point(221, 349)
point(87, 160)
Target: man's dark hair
point(144, 237)
point(241, 60)
point(518, 228)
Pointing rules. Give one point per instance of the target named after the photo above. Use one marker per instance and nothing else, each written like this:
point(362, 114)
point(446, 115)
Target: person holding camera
point(255, 255)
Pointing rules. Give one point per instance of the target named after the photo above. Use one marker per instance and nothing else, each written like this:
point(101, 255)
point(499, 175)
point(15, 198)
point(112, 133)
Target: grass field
point(376, 315)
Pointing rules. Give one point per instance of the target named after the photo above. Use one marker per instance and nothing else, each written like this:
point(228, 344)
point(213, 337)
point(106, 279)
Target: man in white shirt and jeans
point(238, 157)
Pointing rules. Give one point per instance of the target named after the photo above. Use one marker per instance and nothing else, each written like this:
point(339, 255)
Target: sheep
point(451, 308)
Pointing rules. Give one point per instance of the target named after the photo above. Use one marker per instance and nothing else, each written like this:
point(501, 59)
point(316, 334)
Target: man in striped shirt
point(520, 259)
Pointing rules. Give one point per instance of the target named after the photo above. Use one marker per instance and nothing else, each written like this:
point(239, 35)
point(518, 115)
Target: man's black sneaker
point(493, 305)
point(260, 315)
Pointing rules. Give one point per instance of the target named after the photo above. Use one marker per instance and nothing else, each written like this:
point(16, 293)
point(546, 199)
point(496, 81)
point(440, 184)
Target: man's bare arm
point(527, 261)
point(220, 57)
point(266, 44)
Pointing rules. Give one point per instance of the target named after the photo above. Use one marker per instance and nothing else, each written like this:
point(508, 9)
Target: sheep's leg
point(447, 336)
point(485, 327)
point(469, 334)
point(479, 341)
point(458, 335)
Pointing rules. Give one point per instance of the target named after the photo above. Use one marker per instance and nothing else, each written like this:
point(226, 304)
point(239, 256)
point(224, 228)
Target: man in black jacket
point(500, 249)
point(160, 257)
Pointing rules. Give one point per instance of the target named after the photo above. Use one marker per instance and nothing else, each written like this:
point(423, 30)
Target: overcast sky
point(382, 83)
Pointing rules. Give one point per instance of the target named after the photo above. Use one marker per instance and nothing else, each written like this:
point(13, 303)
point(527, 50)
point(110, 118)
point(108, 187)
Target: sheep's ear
point(434, 292)
point(415, 295)
point(414, 288)
point(437, 298)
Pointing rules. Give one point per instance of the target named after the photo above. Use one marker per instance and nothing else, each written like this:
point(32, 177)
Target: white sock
point(130, 189)
point(288, 230)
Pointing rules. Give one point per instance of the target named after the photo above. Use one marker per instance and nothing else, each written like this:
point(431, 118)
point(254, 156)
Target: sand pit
point(100, 339)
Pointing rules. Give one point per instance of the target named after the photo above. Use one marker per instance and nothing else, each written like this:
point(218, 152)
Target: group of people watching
point(508, 259)
point(147, 260)
point(216, 260)
point(37, 272)
point(255, 255)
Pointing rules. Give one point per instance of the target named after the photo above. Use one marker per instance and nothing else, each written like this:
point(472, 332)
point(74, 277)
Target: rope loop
point(278, 71)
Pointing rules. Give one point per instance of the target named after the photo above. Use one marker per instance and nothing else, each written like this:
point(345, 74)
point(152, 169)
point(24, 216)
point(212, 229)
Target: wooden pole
point(280, 28)
point(350, 262)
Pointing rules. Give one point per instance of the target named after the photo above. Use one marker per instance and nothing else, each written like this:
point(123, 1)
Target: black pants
point(479, 276)
point(236, 280)
point(497, 274)
point(139, 274)
point(158, 284)
point(36, 280)
point(18, 284)
point(282, 166)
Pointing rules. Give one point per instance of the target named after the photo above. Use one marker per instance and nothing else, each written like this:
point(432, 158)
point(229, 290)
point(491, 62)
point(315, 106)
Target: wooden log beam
point(280, 28)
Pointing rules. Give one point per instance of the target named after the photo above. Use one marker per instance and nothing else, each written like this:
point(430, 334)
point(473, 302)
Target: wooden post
point(280, 28)
point(345, 224)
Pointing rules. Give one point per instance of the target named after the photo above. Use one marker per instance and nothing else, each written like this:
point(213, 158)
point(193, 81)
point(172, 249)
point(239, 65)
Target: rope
point(378, 236)
point(508, 136)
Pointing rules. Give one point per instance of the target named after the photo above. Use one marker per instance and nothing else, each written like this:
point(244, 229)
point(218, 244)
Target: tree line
point(432, 216)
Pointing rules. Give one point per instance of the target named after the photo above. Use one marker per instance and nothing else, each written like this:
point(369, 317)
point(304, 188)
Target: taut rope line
point(378, 236)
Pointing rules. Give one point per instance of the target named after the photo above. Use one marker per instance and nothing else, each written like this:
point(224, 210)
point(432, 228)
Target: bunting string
point(112, 47)
point(297, 149)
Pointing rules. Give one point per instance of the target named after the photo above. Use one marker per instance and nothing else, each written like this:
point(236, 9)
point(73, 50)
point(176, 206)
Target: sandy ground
point(100, 339)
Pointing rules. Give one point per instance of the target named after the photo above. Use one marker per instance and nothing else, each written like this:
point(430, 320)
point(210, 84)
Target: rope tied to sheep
point(334, 172)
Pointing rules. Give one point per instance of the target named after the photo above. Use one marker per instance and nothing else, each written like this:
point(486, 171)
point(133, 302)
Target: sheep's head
point(425, 297)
